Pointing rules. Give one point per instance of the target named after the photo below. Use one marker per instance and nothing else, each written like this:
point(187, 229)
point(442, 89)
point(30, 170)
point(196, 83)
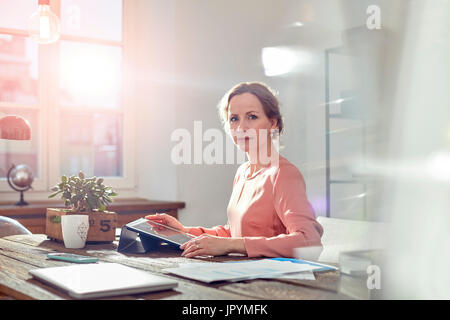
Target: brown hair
point(265, 95)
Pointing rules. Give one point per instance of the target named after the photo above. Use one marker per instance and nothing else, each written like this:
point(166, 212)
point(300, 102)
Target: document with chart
point(236, 271)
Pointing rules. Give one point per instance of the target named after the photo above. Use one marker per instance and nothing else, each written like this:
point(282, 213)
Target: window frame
point(48, 104)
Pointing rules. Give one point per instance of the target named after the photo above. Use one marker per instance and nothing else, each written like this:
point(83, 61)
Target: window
point(71, 92)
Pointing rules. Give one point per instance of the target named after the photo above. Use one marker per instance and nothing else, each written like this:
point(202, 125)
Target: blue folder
point(324, 267)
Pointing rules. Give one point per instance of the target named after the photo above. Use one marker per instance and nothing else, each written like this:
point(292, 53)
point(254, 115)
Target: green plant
point(83, 194)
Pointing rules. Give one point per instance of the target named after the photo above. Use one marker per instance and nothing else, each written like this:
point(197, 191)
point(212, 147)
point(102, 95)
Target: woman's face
point(249, 125)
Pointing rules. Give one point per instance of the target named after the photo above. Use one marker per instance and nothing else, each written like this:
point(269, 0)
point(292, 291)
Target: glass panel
point(347, 122)
point(343, 86)
point(346, 147)
point(16, 14)
point(94, 19)
point(91, 143)
point(90, 75)
point(348, 201)
point(21, 152)
point(18, 70)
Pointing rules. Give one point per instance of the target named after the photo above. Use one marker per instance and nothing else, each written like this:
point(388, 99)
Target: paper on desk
point(305, 275)
point(236, 271)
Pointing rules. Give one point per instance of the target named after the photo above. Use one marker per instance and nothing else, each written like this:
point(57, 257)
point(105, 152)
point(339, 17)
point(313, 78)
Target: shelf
point(345, 117)
point(33, 215)
point(351, 181)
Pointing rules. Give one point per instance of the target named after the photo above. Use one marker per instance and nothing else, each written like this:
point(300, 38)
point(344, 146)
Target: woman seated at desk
point(268, 213)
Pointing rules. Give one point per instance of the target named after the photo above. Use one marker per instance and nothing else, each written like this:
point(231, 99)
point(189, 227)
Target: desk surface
point(21, 253)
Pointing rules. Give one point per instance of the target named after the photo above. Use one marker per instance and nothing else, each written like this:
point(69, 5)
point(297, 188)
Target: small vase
point(74, 230)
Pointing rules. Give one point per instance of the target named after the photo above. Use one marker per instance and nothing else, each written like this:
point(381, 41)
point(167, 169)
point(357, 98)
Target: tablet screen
point(159, 231)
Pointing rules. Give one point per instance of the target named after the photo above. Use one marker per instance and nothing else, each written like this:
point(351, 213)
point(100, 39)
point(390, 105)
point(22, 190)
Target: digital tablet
point(159, 231)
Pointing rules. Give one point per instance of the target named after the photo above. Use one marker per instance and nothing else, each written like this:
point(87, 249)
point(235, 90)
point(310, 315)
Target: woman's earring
point(273, 133)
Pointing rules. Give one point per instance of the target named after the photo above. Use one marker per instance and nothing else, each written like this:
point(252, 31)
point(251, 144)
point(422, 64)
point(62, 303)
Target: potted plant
point(88, 196)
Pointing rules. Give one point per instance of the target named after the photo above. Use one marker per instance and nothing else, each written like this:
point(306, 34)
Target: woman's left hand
point(206, 245)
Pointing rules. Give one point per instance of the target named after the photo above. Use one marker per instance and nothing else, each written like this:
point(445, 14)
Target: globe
point(21, 176)
point(20, 179)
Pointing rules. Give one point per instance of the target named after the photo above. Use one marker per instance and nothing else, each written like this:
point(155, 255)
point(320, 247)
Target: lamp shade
point(14, 128)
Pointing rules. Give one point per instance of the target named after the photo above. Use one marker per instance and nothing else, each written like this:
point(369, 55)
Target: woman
point(268, 213)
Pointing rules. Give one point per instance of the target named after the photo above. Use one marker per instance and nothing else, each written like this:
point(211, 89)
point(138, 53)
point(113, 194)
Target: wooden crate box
point(102, 225)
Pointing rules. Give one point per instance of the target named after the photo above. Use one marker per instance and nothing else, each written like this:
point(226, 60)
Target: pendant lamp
point(44, 24)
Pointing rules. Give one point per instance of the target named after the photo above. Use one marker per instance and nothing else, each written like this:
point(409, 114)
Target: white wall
point(154, 44)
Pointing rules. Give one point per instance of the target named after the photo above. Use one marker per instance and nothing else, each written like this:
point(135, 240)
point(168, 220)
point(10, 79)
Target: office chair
point(9, 227)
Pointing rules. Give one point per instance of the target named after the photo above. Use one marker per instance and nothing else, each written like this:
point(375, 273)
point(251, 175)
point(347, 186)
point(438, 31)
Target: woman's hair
point(265, 95)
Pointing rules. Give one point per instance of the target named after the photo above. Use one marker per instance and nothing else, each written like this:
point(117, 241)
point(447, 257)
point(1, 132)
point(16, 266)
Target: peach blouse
point(270, 211)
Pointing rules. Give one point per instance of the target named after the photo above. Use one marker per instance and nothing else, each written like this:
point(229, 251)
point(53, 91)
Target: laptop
point(102, 280)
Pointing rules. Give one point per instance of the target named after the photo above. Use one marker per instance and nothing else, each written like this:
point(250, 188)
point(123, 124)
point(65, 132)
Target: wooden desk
point(33, 215)
point(21, 253)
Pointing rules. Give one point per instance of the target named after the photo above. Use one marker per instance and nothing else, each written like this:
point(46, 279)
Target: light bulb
point(44, 24)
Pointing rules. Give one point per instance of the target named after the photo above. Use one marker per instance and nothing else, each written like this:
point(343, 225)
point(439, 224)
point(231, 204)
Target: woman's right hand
point(167, 220)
